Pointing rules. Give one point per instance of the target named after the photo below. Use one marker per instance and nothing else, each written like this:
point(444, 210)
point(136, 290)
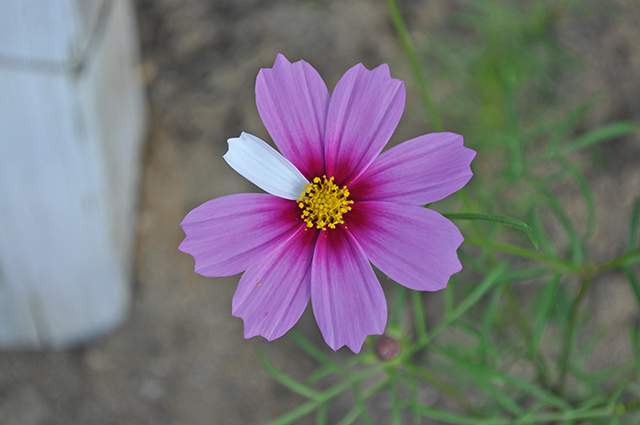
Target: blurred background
point(177, 356)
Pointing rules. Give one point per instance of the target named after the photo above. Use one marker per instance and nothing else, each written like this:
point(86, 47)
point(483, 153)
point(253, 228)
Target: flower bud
point(387, 348)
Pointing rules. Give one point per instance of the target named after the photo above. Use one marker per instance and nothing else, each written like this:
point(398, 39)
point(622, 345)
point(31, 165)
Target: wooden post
point(72, 119)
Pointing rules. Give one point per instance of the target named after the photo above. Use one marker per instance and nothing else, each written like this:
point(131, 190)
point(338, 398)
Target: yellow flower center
point(323, 203)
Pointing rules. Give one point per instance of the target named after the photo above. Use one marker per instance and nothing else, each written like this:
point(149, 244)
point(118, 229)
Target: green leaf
point(624, 260)
point(633, 282)
point(577, 253)
point(360, 402)
point(582, 184)
point(286, 380)
point(480, 290)
point(395, 406)
point(534, 133)
point(317, 354)
point(544, 310)
point(360, 410)
point(490, 375)
point(489, 282)
point(448, 300)
point(443, 386)
point(492, 309)
point(485, 345)
point(527, 273)
point(444, 416)
point(295, 414)
point(563, 128)
point(594, 382)
point(558, 263)
point(526, 419)
point(508, 221)
point(505, 401)
point(394, 324)
point(418, 315)
point(351, 416)
point(412, 384)
point(633, 228)
point(543, 238)
point(598, 135)
point(321, 415)
point(418, 76)
point(615, 395)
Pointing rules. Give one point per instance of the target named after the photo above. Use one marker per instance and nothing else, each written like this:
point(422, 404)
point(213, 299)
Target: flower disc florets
point(323, 203)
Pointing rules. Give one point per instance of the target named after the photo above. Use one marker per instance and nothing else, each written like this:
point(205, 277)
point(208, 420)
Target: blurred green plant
point(502, 353)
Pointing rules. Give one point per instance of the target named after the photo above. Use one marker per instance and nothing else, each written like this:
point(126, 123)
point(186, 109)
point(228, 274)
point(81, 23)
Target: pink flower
point(334, 205)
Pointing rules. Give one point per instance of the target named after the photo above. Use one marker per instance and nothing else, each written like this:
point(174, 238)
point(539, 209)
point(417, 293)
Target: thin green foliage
point(564, 127)
point(575, 242)
point(418, 314)
point(416, 69)
point(634, 336)
point(582, 184)
point(599, 135)
point(510, 340)
point(570, 332)
point(543, 238)
point(543, 312)
point(563, 417)
point(508, 221)
point(488, 283)
point(633, 227)
point(633, 282)
point(285, 380)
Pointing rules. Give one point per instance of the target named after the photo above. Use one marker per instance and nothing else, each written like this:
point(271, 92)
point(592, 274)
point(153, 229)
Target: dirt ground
point(181, 357)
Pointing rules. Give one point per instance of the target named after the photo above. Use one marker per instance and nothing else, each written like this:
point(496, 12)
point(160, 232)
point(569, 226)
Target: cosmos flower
point(334, 205)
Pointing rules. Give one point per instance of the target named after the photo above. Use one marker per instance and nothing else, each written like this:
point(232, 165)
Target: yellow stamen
point(323, 203)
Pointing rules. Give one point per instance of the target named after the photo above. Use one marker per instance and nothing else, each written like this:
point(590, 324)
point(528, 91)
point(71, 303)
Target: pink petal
point(347, 298)
point(364, 111)
point(412, 245)
point(273, 293)
point(418, 171)
point(292, 101)
point(227, 235)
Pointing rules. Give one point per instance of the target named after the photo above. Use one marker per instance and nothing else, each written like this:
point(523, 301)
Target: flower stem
point(418, 315)
point(407, 45)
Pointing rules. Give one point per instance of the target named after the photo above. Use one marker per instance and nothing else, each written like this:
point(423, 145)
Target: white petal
point(265, 167)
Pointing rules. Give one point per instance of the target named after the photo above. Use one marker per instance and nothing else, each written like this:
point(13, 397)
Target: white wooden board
point(72, 117)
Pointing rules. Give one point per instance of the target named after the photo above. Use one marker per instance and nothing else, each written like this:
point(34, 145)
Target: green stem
point(624, 260)
point(407, 45)
point(394, 326)
point(396, 418)
point(569, 337)
point(418, 315)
